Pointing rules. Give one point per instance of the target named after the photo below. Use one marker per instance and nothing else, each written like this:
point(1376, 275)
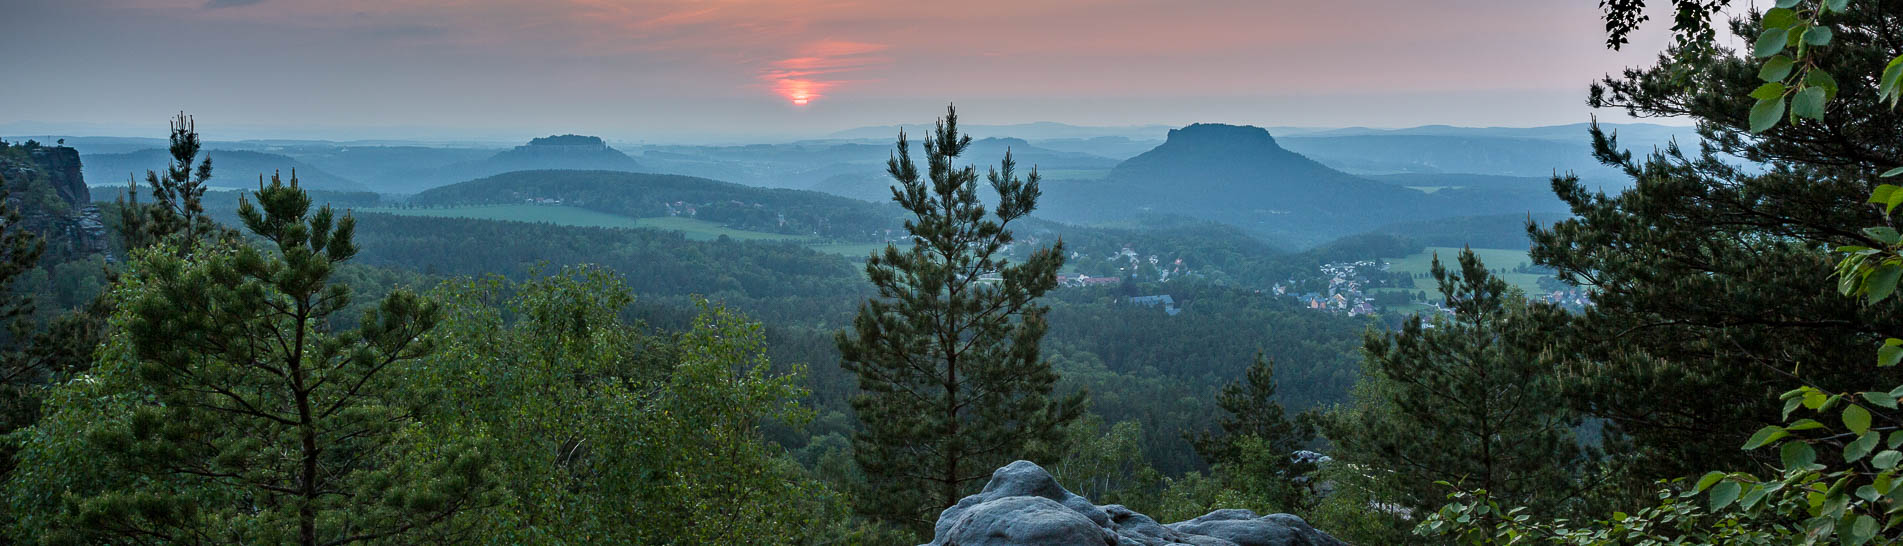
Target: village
point(1344, 288)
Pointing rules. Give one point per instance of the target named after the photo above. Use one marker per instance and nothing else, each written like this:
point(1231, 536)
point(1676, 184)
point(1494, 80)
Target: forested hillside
point(1144, 369)
point(642, 195)
point(1050, 335)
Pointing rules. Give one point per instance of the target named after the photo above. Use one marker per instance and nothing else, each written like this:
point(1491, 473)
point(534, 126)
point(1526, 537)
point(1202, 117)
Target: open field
point(1500, 261)
point(702, 230)
point(699, 230)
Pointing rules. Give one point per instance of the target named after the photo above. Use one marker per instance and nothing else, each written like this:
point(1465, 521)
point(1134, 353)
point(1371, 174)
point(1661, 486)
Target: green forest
point(607, 357)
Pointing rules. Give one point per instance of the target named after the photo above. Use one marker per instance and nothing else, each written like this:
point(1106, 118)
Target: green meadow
point(1500, 261)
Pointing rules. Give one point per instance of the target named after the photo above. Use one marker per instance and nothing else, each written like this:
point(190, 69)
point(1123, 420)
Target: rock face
point(1024, 505)
point(46, 184)
point(62, 168)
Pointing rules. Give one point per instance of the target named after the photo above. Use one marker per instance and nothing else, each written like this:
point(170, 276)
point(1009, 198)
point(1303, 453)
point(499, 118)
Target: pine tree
point(1467, 399)
point(19, 252)
point(1258, 429)
point(227, 408)
point(1252, 411)
point(952, 381)
point(1710, 284)
point(177, 207)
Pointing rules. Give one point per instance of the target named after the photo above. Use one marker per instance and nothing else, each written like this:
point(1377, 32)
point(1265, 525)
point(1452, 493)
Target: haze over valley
point(1220, 273)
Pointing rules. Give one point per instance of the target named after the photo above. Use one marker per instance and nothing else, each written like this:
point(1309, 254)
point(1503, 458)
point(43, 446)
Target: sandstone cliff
point(46, 184)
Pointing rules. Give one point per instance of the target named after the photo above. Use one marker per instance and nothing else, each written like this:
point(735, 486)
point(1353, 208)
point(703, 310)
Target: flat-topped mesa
point(1023, 505)
point(580, 141)
point(1225, 159)
point(562, 152)
point(1219, 134)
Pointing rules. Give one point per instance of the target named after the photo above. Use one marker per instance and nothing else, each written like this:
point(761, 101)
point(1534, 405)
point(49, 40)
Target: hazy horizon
point(508, 138)
point(732, 71)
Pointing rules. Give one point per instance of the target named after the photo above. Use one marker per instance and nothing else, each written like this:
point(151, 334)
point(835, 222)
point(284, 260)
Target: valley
point(1049, 273)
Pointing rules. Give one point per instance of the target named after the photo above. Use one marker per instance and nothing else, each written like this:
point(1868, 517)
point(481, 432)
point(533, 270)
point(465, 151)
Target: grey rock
point(1023, 504)
point(1021, 520)
point(1245, 528)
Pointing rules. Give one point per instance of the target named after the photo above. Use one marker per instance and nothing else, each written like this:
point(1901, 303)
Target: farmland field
point(1500, 261)
point(702, 230)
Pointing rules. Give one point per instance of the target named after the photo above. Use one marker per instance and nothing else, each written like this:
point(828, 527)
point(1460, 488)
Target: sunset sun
point(800, 92)
point(1312, 273)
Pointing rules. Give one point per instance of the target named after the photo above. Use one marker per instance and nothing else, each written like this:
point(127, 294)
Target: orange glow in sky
point(799, 91)
point(819, 67)
point(727, 63)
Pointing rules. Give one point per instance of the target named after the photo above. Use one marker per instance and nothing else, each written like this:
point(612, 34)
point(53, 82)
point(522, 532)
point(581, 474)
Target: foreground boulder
point(1023, 504)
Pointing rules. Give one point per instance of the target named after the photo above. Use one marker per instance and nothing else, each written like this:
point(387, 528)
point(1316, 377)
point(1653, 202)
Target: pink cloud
point(820, 67)
point(1057, 48)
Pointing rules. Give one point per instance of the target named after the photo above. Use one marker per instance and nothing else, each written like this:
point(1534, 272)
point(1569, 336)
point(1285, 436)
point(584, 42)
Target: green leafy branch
point(1793, 79)
point(1853, 502)
point(1795, 86)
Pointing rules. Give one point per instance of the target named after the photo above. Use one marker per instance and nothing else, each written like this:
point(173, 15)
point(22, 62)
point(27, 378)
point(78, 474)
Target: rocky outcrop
point(1023, 504)
point(62, 171)
point(46, 184)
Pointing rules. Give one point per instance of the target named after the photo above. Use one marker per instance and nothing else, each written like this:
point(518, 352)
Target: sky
point(654, 70)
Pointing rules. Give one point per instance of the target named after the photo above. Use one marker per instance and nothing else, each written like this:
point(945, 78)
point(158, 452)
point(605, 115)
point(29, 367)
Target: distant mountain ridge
point(1503, 151)
point(850, 169)
point(230, 169)
point(1569, 132)
point(1030, 131)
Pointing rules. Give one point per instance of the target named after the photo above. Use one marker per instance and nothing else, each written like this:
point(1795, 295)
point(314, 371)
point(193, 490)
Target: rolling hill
point(560, 152)
point(387, 169)
point(866, 178)
point(645, 195)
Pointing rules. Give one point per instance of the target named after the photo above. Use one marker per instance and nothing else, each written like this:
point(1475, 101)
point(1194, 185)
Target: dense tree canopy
point(1466, 398)
point(1707, 291)
point(228, 410)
